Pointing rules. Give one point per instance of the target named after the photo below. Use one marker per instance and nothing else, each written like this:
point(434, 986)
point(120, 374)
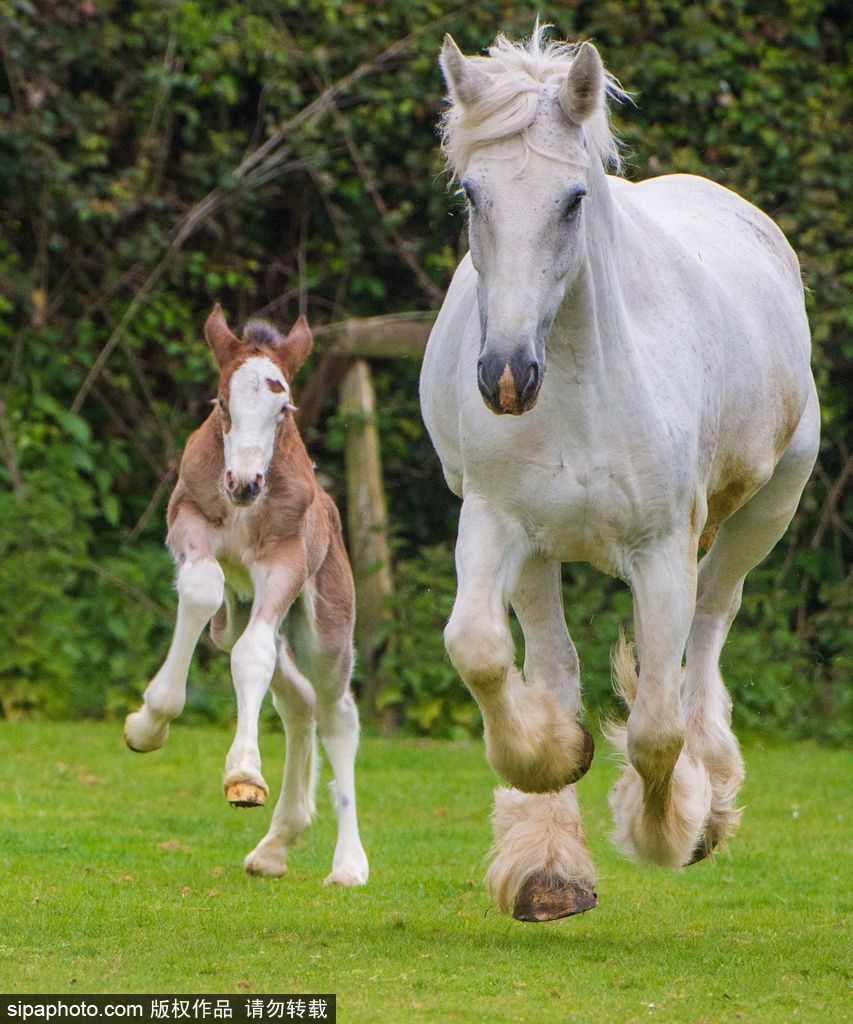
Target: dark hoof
point(586, 757)
point(543, 898)
point(704, 848)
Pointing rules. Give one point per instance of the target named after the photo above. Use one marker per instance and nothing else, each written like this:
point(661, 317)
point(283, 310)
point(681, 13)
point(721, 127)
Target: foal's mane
point(508, 106)
point(260, 334)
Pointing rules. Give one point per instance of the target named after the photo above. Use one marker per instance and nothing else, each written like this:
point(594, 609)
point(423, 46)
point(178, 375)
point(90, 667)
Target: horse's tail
point(623, 667)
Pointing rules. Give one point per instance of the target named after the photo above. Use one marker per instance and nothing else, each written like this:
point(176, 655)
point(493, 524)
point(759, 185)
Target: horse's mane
point(260, 333)
point(508, 107)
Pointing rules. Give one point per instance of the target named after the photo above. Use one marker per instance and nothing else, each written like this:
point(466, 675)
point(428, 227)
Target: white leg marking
point(200, 593)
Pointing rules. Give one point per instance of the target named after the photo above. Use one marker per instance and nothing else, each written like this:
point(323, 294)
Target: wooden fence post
point(367, 519)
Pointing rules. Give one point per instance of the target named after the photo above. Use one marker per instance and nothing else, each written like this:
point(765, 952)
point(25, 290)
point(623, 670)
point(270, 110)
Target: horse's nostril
point(481, 377)
point(531, 382)
point(229, 481)
point(259, 480)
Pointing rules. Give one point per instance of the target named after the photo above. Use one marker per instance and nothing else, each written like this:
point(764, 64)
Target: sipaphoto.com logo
point(58, 1008)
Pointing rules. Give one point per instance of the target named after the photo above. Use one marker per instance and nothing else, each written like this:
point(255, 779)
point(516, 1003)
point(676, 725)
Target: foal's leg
point(200, 585)
point(541, 865)
point(332, 603)
point(663, 799)
point(293, 697)
point(741, 542)
point(533, 738)
point(253, 660)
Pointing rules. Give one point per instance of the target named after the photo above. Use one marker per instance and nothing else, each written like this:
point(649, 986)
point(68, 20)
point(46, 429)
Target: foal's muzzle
point(509, 385)
point(243, 492)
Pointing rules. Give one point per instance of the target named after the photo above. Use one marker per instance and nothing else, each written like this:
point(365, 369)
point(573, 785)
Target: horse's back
point(724, 236)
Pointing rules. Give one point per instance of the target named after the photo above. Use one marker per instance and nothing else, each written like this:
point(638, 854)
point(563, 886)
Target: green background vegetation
point(123, 874)
point(118, 119)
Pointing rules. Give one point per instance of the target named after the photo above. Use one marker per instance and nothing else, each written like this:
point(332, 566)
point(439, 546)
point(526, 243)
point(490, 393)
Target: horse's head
point(255, 376)
point(522, 134)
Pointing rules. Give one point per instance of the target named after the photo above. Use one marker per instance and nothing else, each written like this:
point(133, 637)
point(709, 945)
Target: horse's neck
point(592, 329)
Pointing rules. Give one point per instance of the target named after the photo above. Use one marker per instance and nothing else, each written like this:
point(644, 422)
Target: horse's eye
point(573, 201)
point(470, 195)
point(223, 407)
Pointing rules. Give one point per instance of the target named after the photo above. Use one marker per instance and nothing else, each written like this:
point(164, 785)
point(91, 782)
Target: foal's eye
point(573, 201)
point(223, 406)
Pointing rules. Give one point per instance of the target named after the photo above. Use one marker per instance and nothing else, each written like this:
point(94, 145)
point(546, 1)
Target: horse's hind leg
point(331, 607)
point(741, 543)
point(541, 865)
point(293, 697)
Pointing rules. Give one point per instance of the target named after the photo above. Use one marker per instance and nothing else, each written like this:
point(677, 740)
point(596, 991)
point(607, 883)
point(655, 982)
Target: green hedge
point(118, 118)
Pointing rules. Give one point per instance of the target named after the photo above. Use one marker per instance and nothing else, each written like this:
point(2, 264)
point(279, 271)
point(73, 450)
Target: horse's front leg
point(253, 661)
point(662, 800)
point(541, 866)
point(200, 586)
point(533, 738)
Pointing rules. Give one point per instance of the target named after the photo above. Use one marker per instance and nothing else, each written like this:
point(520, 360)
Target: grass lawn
point(122, 873)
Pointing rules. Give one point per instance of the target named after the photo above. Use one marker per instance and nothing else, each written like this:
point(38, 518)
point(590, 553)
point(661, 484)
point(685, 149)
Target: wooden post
point(367, 519)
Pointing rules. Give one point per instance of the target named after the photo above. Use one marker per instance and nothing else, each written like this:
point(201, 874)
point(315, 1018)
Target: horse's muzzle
point(243, 492)
point(509, 386)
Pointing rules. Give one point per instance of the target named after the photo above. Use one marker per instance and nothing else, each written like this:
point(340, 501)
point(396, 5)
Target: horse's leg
point(541, 865)
point(332, 605)
point(741, 543)
point(533, 737)
point(253, 660)
point(663, 798)
point(293, 697)
point(230, 621)
point(200, 586)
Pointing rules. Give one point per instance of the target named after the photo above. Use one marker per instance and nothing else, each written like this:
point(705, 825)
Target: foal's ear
point(465, 81)
point(224, 344)
point(293, 350)
point(583, 92)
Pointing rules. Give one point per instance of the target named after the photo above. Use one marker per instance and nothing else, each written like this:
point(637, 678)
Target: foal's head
point(255, 376)
point(526, 134)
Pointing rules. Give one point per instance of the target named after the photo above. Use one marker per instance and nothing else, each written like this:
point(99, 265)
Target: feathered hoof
point(703, 849)
point(586, 756)
point(542, 898)
point(245, 794)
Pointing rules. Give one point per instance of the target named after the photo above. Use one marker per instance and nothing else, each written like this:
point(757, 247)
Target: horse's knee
point(253, 656)
point(338, 717)
point(201, 587)
point(480, 649)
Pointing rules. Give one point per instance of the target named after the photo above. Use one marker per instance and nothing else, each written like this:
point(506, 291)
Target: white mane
point(508, 107)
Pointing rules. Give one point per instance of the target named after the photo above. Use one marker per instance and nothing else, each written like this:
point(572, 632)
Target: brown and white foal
point(256, 539)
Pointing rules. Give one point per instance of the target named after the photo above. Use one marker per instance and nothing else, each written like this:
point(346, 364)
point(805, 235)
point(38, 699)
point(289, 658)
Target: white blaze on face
point(257, 398)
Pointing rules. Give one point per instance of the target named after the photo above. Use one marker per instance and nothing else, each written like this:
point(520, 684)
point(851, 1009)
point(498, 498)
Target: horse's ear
point(224, 344)
point(583, 92)
point(465, 81)
point(293, 350)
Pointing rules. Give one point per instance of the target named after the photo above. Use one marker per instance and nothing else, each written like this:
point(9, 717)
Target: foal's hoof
point(541, 898)
point(245, 794)
point(142, 734)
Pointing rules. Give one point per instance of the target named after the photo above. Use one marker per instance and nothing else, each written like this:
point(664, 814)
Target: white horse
point(619, 375)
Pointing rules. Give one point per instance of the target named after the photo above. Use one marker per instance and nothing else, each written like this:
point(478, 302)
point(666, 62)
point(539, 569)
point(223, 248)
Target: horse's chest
point(594, 508)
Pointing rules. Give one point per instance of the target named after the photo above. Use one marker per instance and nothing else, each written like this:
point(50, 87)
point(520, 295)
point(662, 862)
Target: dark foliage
point(138, 187)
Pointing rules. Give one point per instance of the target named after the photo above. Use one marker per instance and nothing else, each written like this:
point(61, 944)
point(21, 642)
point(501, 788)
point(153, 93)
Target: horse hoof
point(245, 794)
point(541, 898)
point(586, 756)
point(704, 848)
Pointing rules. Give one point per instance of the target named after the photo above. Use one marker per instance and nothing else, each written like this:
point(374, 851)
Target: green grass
point(122, 873)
